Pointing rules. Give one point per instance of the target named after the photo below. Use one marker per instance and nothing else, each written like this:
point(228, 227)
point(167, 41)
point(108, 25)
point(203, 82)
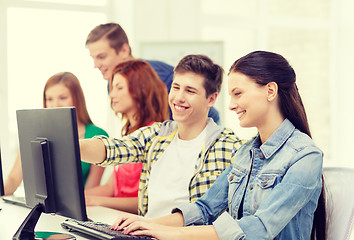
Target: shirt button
point(265, 183)
point(261, 155)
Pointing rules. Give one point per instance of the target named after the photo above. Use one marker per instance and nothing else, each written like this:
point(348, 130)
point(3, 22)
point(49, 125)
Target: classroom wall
point(316, 36)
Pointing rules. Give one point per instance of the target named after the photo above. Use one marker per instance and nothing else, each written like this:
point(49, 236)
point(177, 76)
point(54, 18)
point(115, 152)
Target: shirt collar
point(276, 140)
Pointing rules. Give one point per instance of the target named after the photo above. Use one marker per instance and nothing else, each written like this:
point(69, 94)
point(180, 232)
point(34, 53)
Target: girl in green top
point(64, 90)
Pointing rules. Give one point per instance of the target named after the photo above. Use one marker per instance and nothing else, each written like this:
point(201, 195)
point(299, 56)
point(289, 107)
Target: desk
point(12, 216)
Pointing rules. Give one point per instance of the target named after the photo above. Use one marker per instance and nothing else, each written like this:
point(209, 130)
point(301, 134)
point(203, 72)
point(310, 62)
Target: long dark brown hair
point(265, 67)
point(149, 93)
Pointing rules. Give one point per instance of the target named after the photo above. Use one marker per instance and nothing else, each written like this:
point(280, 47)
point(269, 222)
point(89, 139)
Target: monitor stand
point(26, 230)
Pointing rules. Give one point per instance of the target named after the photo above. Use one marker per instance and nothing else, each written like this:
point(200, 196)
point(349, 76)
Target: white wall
point(342, 81)
point(37, 40)
point(316, 36)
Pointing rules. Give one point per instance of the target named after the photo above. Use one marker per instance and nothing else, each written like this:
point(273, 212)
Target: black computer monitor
point(51, 165)
point(2, 190)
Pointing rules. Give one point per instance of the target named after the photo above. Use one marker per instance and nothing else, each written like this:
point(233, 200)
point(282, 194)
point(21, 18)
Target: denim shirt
point(280, 182)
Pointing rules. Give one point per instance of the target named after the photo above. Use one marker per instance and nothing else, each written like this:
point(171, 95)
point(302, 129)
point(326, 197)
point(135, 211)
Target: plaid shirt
point(147, 144)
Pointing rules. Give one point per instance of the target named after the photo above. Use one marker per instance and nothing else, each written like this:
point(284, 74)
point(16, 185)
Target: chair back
point(339, 183)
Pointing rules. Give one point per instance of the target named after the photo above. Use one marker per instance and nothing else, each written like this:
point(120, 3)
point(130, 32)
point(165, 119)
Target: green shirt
point(90, 131)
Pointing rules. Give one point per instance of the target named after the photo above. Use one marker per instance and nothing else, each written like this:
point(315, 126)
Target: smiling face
point(188, 101)
point(58, 95)
point(121, 100)
point(105, 58)
point(248, 100)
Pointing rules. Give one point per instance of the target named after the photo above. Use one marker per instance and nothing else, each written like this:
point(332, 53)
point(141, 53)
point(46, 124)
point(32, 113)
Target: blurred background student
point(64, 90)
point(140, 97)
point(108, 45)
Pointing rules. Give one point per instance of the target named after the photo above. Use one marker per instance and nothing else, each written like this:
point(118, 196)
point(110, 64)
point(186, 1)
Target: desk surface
point(12, 216)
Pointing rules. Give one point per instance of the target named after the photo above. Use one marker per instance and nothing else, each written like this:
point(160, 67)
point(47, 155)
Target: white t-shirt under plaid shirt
point(170, 176)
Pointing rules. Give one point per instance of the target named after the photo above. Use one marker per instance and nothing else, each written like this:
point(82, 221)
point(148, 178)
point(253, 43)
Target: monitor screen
point(51, 164)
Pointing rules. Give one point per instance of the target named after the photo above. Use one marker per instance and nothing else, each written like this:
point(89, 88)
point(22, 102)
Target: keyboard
point(17, 200)
point(98, 230)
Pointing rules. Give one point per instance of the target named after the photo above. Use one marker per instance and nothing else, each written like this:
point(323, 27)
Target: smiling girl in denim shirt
point(273, 189)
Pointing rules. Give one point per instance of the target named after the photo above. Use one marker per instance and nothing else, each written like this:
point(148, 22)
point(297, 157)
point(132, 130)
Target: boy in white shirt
point(181, 158)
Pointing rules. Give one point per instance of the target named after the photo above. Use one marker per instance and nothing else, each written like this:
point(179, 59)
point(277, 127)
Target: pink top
point(127, 178)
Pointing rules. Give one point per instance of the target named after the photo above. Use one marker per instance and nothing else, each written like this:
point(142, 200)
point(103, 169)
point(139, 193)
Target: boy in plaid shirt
point(181, 158)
